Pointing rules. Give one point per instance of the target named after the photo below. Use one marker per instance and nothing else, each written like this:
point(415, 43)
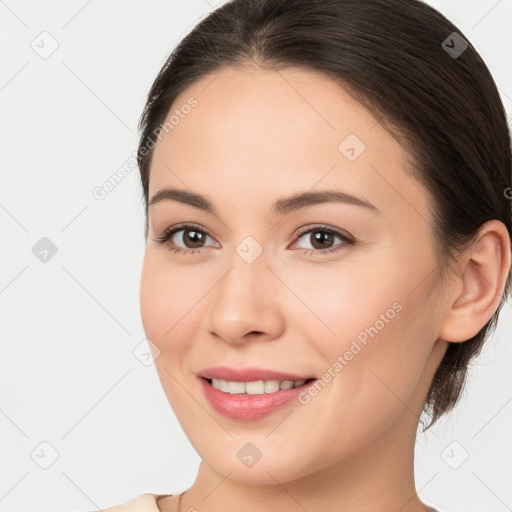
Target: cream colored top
point(146, 502)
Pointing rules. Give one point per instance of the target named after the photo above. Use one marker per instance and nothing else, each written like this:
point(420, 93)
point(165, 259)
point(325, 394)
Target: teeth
point(271, 386)
point(258, 387)
point(236, 387)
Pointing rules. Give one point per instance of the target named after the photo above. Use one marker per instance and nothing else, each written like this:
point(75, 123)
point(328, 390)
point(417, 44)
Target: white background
point(69, 326)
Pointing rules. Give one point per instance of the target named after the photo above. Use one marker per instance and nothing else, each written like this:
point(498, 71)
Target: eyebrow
point(280, 207)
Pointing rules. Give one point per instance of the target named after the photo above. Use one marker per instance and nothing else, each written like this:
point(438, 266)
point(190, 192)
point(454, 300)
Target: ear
point(478, 290)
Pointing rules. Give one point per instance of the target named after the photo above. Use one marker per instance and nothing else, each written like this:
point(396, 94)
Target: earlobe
point(484, 273)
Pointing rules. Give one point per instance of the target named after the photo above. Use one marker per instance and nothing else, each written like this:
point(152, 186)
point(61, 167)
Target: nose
point(245, 303)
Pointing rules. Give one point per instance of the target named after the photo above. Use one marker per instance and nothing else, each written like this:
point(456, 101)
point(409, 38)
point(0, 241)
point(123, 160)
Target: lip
point(247, 407)
point(248, 374)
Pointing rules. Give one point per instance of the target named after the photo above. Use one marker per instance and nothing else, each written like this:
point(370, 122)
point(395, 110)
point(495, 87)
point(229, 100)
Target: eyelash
point(170, 232)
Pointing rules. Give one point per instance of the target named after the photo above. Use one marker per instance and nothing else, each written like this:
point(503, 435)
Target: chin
point(232, 460)
point(259, 474)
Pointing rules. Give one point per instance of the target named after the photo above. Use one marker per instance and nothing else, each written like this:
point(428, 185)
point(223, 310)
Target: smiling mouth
point(258, 387)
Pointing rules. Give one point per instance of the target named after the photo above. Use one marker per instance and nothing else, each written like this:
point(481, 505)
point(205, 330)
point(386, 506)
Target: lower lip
point(249, 407)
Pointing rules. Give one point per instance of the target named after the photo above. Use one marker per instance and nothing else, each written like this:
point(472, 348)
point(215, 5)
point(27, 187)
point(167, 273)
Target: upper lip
point(248, 374)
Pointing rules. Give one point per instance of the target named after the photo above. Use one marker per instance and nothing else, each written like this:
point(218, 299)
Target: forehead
point(254, 131)
point(258, 114)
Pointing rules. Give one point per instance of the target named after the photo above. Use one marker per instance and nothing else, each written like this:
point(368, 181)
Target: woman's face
point(334, 290)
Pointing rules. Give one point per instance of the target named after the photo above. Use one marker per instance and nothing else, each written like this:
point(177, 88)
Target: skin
point(256, 136)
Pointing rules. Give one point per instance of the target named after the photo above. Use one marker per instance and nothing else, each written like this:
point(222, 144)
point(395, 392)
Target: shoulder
point(146, 502)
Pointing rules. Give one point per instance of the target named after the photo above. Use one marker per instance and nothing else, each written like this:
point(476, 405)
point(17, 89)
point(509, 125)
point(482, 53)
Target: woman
point(327, 246)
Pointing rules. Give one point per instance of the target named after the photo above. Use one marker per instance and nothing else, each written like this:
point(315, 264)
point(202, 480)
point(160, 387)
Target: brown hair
point(401, 60)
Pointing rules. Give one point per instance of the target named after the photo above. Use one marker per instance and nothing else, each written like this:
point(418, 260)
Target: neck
point(380, 478)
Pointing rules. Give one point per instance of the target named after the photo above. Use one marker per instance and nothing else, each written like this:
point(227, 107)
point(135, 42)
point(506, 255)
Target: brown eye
point(323, 240)
point(189, 235)
point(192, 238)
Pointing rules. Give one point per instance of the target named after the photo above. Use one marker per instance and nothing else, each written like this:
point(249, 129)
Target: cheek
point(374, 333)
point(167, 311)
point(351, 301)
point(169, 302)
